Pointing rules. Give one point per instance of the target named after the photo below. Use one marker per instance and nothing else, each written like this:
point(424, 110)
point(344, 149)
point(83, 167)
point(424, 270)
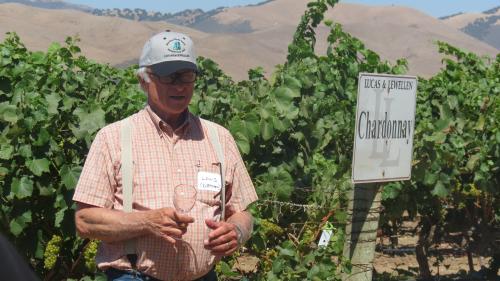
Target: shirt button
point(179, 170)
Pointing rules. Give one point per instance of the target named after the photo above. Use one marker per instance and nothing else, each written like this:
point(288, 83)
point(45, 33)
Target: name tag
point(209, 181)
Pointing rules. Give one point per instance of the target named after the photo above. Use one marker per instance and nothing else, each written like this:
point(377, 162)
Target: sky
point(436, 8)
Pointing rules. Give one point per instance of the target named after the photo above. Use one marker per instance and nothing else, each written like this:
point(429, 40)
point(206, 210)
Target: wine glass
point(184, 198)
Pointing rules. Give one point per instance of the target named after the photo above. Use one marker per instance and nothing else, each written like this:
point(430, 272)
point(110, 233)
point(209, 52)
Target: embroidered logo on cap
point(176, 46)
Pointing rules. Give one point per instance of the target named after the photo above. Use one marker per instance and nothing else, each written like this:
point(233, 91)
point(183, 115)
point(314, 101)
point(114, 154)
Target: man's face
point(171, 94)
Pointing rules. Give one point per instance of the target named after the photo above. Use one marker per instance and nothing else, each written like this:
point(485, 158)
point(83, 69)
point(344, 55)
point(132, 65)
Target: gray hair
point(143, 74)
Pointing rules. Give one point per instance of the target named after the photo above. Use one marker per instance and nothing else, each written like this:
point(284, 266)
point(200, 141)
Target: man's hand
point(168, 224)
point(223, 239)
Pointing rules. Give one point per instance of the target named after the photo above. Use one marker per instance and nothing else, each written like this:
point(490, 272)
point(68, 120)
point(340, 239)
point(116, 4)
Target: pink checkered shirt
point(163, 159)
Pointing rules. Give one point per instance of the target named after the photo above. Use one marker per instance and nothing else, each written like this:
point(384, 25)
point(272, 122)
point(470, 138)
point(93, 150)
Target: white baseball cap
point(168, 52)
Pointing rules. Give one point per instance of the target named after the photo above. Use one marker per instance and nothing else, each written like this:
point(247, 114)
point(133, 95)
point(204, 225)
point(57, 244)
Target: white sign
point(326, 236)
point(385, 121)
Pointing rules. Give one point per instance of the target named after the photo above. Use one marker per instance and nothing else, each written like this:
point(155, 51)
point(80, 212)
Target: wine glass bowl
point(184, 198)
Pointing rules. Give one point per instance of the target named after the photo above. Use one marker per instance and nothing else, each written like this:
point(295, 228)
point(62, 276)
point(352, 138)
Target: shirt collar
point(162, 127)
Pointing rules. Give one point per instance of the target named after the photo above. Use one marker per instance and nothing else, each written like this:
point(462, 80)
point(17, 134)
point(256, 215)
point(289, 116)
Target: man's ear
point(143, 83)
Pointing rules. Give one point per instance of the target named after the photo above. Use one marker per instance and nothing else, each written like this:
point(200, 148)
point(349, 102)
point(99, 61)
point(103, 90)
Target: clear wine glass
point(184, 198)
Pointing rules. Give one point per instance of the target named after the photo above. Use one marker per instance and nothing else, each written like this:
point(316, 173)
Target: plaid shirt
point(163, 158)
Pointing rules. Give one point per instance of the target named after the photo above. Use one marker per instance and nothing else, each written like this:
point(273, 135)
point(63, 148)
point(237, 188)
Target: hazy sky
point(435, 8)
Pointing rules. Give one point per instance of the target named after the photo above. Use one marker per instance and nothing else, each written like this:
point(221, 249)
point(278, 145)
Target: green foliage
point(456, 150)
point(51, 106)
point(294, 131)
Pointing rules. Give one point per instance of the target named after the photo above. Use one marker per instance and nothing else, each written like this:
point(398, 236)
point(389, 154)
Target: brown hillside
point(393, 32)
point(104, 39)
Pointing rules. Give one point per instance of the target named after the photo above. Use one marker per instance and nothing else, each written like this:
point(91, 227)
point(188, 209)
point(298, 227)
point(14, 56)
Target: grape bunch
point(52, 252)
point(89, 255)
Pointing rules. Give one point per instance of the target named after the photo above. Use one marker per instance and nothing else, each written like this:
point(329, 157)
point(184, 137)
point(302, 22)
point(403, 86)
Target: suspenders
point(214, 139)
point(127, 169)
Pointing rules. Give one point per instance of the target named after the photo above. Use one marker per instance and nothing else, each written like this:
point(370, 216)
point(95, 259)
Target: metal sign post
point(383, 147)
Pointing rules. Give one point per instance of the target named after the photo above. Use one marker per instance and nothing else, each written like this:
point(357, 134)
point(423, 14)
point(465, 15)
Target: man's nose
point(179, 86)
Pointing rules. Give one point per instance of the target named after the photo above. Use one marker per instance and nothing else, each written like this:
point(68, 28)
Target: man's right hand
point(116, 226)
point(168, 224)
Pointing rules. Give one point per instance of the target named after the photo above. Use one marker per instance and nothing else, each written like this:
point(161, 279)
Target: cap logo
point(176, 46)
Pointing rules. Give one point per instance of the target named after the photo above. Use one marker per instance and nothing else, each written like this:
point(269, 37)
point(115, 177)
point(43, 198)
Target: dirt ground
point(452, 264)
point(405, 264)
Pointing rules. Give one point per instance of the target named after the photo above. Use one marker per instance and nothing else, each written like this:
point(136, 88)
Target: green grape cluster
point(271, 228)
point(89, 255)
point(52, 252)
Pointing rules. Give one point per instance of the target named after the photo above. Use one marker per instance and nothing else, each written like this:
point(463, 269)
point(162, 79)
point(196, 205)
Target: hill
point(393, 32)
point(50, 4)
point(483, 26)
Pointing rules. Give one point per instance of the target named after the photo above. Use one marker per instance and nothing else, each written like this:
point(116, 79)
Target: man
point(170, 147)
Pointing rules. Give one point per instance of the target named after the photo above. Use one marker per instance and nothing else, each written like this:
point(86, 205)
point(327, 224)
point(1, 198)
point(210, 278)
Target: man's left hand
point(223, 239)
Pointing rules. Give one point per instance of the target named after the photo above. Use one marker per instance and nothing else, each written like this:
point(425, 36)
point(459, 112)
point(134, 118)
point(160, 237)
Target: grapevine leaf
point(440, 190)
point(292, 83)
point(25, 151)
point(16, 228)
point(70, 175)
point(59, 217)
point(278, 124)
point(442, 124)
point(89, 123)
point(341, 216)
point(6, 151)
point(264, 113)
point(39, 245)
point(43, 137)
point(38, 166)
point(473, 161)
point(430, 178)
point(391, 191)
point(285, 94)
point(3, 172)
point(480, 123)
point(453, 101)
point(242, 142)
point(226, 270)
point(267, 130)
point(22, 188)
point(53, 100)
point(252, 125)
point(8, 112)
point(287, 252)
point(18, 224)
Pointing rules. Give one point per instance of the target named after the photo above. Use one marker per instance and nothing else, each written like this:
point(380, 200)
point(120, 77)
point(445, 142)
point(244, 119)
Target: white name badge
point(209, 181)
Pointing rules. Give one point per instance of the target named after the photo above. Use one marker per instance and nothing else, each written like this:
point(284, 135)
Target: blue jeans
point(119, 275)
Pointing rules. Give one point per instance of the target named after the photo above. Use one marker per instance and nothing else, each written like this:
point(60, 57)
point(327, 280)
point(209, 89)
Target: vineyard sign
point(385, 122)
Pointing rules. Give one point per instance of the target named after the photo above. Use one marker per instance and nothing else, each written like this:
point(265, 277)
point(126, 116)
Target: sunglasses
point(176, 78)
